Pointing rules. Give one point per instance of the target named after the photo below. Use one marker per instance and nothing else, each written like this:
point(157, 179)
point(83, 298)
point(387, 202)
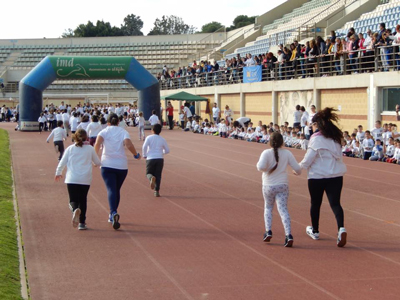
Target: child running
point(59, 136)
point(154, 149)
point(140, 121)
point(273, 163)
point(78, 158)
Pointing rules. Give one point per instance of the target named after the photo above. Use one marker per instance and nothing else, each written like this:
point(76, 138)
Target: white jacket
point(323, 158)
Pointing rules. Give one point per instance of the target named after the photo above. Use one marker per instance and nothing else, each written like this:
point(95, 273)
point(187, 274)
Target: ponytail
point(324, 119)
point(275, 142)
point(80, 136)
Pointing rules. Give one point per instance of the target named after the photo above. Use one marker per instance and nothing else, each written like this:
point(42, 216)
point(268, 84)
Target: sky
point(43, 18)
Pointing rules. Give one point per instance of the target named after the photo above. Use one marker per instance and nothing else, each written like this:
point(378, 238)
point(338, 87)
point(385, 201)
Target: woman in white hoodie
point(324, 162)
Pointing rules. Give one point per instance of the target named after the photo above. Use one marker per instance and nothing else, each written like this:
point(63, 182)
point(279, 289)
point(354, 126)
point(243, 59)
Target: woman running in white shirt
point(78, 158)
point(114, 162)
point(324, 162)
point(273, 163)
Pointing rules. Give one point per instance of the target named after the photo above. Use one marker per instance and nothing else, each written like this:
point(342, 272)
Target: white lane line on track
point(232, 196)
point(243, 244)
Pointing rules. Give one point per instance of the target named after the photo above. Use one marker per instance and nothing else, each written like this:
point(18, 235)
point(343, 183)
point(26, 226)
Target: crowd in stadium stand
point(353, 53)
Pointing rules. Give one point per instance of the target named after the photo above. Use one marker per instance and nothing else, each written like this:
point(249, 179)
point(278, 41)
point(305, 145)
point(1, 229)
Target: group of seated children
point(379, 144)
point(293, 137)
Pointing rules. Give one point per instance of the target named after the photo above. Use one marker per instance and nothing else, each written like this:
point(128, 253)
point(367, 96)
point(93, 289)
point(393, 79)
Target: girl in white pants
point(273, 163)
point(140, 122)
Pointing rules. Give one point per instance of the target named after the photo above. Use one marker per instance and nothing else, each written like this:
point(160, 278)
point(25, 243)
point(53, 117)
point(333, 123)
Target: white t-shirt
point(65, 117)
point(368, 144)
point(297, 116)
point(154, 120)
point(83, 125)
point(93, 129)
point(215, 111)
point(114, 152)
point(79, 164)
point(311, 115)
point(243, 120)
point(279, 176)
point(74, 123)
point(304, 119)
point(58, 134)
point(187, 111)
point(155, 147)
point(360, 136)
point(377, 133)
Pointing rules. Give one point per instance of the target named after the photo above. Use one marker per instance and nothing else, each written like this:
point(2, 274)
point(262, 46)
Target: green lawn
point(10, 287)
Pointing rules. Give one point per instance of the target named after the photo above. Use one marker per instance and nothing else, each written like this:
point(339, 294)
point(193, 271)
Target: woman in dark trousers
point(114, 162)
point(324, 162)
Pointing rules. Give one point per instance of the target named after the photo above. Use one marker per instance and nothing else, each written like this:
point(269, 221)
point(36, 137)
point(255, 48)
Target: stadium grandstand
point(18, 57)
point(279, 42)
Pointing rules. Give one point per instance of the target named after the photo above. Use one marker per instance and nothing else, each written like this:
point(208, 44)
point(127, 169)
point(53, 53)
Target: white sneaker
point(75, 217)
point(309, 231)
point(342, 237)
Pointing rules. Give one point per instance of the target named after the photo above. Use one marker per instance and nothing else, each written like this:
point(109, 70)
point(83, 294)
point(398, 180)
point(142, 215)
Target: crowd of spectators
point(353, 53)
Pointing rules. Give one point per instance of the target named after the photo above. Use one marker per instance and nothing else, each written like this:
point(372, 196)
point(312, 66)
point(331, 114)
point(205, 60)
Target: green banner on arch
point(81, 67)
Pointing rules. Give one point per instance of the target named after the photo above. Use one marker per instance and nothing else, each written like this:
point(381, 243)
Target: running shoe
point(115, 221)
point(267, 236)
point(82, 226)
point(156, 194)
point(342, 237)
point(311, 233)
point(75, 217)
point(288, 241)
point(110, 218)
point(153, 182)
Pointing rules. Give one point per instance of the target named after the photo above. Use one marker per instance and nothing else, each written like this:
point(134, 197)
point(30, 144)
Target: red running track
point(203, 238)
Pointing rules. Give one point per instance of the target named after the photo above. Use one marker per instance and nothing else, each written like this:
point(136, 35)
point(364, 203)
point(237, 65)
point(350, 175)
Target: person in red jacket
point(170, 114)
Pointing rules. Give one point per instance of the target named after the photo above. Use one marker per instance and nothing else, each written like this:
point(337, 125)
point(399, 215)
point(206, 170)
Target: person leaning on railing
point(396, 43)
point(326, 57)
point(337, 51)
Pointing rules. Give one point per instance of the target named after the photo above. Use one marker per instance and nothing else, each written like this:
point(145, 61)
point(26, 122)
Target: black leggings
point(333, 189)
point(154, 168)
point(78, 198)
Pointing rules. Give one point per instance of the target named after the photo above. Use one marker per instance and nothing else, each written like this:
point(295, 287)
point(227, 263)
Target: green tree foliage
point(132, 26)
point(211, 27)
point(171, 25)
point(241, 21)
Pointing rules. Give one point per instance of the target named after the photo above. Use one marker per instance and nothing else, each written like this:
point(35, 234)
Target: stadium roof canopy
point(183, 96)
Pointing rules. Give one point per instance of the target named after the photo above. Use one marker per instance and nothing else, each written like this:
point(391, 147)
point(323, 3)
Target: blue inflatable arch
point(84, 67)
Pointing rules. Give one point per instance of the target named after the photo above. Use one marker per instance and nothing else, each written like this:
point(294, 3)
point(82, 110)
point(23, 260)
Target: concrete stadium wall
point(352, 103)
point(258, 107)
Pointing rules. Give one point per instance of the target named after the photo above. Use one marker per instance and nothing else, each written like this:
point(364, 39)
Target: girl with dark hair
point(324, 162)
point(273, 163)
point(93, 129)
point(114, 162)
point(78, 158)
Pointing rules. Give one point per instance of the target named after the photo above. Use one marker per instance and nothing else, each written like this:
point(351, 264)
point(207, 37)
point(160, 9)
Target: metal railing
point(381, 59)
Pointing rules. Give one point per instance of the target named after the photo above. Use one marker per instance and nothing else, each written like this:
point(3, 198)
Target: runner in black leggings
point(324, 162)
